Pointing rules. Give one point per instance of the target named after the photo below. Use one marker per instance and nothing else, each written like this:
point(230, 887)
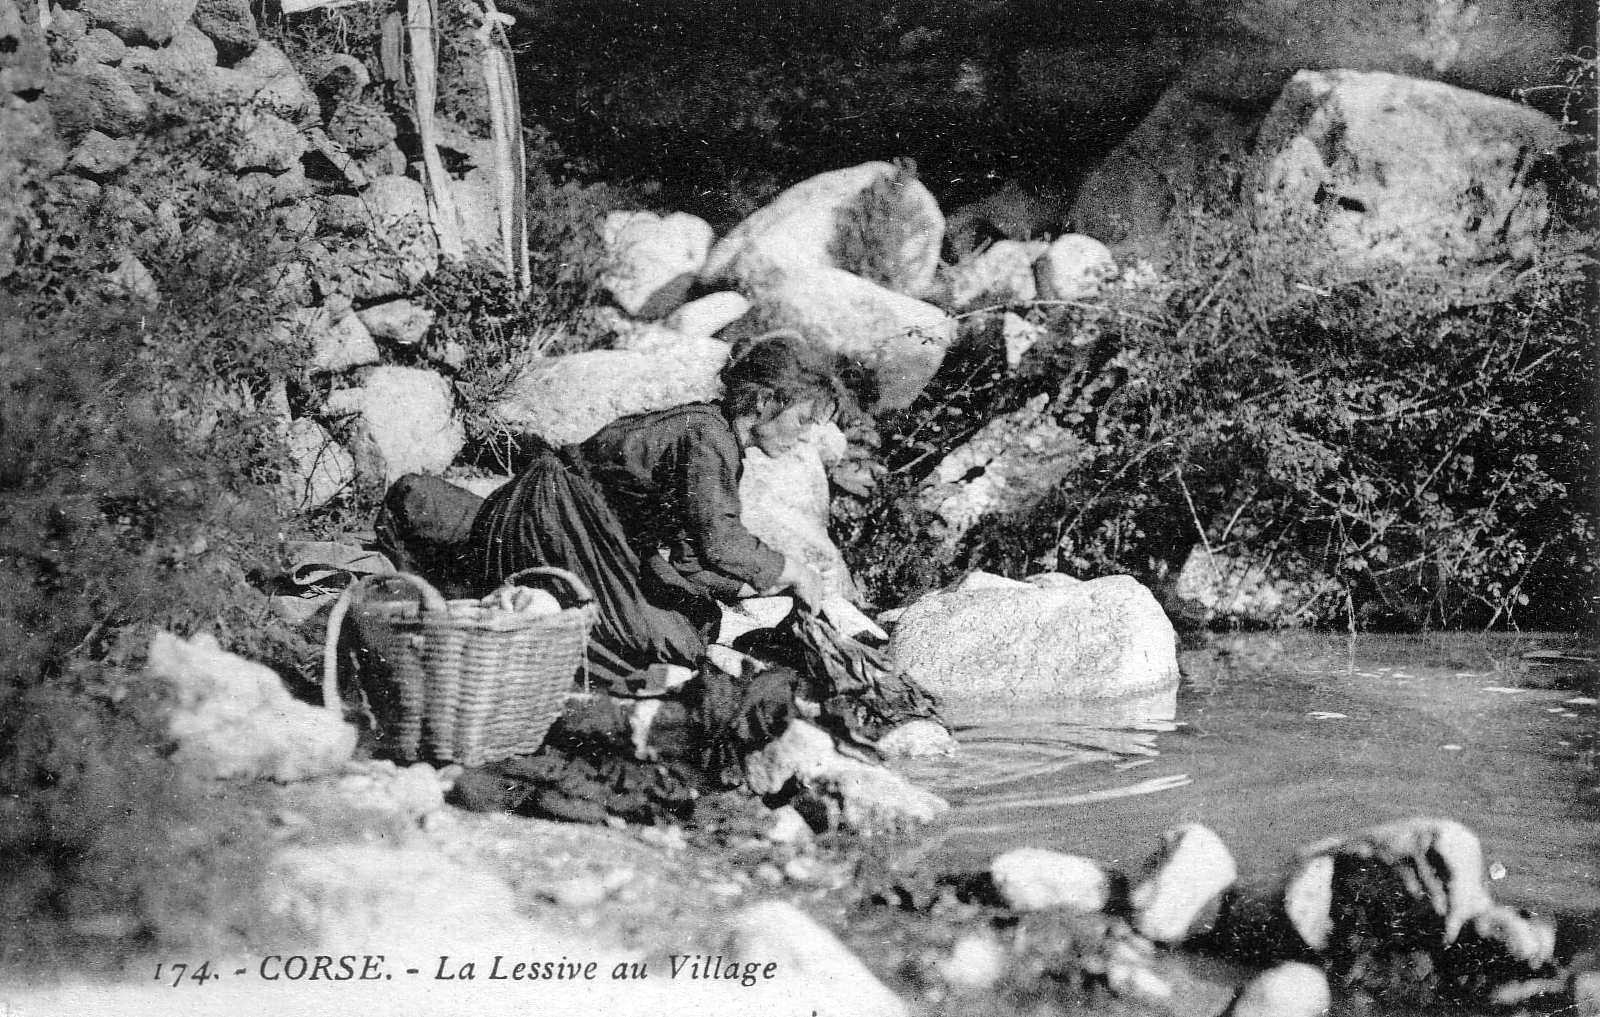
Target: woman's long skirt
point(553, 515)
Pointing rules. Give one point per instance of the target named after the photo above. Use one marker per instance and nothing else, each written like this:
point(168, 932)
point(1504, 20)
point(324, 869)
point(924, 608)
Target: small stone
point(264, 141)
point(975, 963)
point(1288, 990)
point(131, 280)
point(917, 739)
point(768, 874)
point(229, 24)
point(397, 321)
point(788, 827)
point(99, 155)
point(1033, 879)
point(1182, 884)
point(1073, 267)
point(336, 346)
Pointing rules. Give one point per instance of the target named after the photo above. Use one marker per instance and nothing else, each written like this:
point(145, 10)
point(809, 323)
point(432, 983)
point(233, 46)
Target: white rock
point(1019, 335)
point(342, 345)
point(234, 719)
point(406, 422)
point(653, 259)
point(566, 399)
point(133, 281)
point(859, 796)
point(787, 826)
point(834, 980)
point(916, 739)
point(1529, 940)
point(1288, 990)
point(1439, 860)
point(1181, 883)
point(708, 315)
point(807, 226)
point(397, 321)
point(975, 963)
point(264, 141)
point(1011, 464)
point(1073, 267)
point(1397, 169)
point(1033, 879)
point(1000, 274)
point(1105, 638)
point(899, 339)
point(318, 467)
point(784, 501)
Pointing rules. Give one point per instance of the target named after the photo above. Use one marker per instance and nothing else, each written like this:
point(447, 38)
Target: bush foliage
point(1421, 440)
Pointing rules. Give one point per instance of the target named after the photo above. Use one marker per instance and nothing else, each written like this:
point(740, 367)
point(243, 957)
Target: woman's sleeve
point(710, 498)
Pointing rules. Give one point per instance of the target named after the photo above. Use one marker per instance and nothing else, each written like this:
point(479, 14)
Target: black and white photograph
point(799, 508)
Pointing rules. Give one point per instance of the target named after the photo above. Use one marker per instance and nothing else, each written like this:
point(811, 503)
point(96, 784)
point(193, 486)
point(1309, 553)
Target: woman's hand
point(803, 581)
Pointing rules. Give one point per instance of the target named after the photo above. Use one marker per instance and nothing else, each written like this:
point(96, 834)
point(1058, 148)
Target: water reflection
point(1008, 760)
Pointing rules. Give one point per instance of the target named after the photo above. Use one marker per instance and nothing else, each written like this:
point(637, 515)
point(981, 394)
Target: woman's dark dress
point(647, 513)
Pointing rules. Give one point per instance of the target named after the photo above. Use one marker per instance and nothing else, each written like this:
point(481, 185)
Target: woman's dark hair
point(770, 372)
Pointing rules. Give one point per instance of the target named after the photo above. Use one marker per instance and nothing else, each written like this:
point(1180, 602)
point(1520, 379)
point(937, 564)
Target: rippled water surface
point(1275, 742)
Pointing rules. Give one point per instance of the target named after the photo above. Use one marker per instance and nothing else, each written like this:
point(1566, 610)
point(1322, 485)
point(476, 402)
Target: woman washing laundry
point(646, 511)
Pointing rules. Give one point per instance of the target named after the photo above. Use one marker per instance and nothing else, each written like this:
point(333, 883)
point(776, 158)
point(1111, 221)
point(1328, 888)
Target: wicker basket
point(463, 681)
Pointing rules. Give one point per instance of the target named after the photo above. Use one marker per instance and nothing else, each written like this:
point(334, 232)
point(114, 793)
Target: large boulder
point(785, 503)
point(1009, 466)
point(653, 259)
point(139, 22)
point(1187, 148)
point(566, 399)
point(405, 422)
point(233, 718)
point(1101, 639)
point(899, 339)
point(874, 220)
point(1397, 169)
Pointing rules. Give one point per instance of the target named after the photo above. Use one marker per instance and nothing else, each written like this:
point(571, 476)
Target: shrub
point(138, 476)
point(1423, 439)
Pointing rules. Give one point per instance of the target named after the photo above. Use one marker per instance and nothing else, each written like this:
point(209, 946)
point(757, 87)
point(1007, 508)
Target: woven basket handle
point(432, 600)
point(576, 591)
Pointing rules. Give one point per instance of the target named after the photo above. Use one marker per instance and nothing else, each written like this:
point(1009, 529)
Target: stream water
point(1275, 742)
